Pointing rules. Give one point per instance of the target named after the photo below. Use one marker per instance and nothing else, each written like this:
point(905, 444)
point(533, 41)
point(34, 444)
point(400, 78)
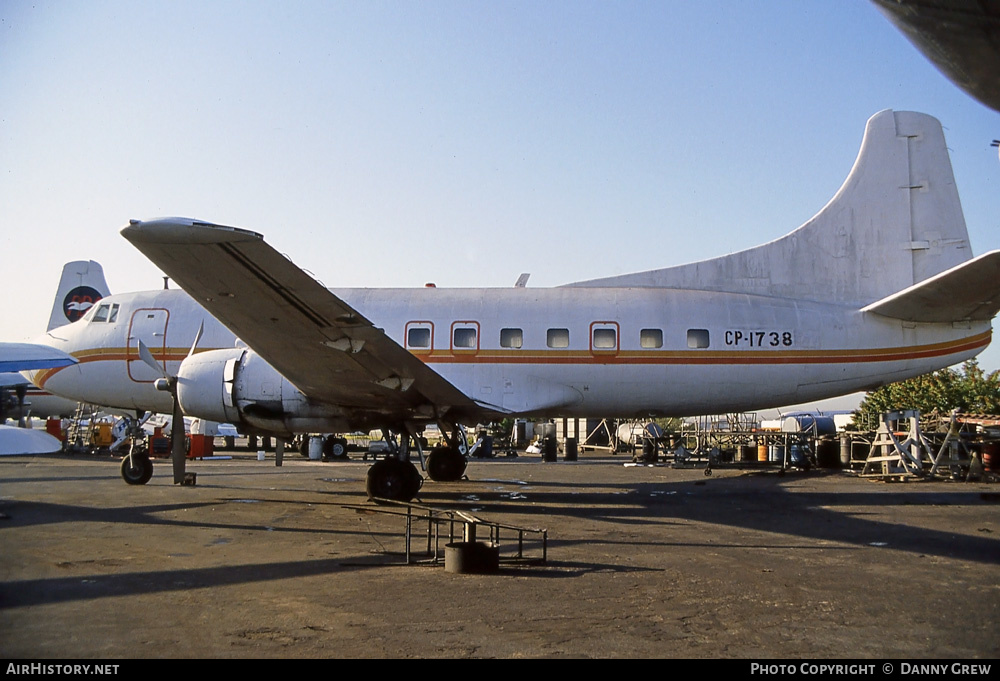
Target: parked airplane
point(879, 286)
point(81, 285)
point(23, 357)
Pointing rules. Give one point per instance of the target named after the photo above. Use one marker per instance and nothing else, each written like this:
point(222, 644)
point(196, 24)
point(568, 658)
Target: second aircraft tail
point(82, 284)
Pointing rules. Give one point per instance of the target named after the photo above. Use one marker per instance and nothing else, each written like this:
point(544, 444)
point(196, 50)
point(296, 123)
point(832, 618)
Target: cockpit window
point(102, 313)
point(113, 315)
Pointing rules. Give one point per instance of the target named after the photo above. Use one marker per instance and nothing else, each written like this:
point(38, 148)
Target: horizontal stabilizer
point(966, 292)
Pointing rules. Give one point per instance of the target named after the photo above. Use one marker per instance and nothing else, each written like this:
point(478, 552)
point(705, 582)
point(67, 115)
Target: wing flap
point(967, 292)
point(327, 349)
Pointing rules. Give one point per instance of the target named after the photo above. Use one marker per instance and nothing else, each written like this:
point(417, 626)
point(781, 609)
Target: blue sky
point(396, 143)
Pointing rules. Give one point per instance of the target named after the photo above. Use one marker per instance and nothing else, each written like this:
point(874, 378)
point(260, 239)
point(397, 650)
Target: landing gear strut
point(137, 468)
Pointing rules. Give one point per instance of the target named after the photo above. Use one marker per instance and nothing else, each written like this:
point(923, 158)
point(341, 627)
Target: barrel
point(549, 448)
point(827, 453)
point(315, 448)
point(991, 456)
point(570, 454)
point(845, 451)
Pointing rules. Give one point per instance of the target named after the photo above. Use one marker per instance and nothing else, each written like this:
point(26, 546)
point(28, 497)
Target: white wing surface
point(318, 342)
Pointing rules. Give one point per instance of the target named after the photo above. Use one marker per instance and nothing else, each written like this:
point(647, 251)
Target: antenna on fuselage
point(165, 280)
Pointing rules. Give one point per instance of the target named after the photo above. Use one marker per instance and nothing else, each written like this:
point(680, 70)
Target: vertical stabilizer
point(895, 221)
point(82, 284)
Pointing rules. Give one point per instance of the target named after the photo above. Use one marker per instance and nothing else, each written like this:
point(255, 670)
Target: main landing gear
point(396, 479)
point(393, 479)
point(446, 463)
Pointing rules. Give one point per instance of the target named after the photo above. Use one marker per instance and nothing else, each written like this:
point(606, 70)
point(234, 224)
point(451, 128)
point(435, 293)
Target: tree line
point(968, 389)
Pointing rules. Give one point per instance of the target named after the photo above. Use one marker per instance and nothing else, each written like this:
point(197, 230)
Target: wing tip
point(184, 230)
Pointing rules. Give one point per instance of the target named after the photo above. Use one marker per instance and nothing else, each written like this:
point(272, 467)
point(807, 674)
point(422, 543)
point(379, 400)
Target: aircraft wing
point(969, 291)
point(325, 348)
point(30, 356)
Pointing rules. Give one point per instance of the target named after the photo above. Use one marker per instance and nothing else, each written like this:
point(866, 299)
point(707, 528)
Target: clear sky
point(397, 143)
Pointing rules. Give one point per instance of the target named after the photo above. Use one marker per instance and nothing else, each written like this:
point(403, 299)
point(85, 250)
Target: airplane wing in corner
point(323, 346)
point(30, 356)
point(967, 292)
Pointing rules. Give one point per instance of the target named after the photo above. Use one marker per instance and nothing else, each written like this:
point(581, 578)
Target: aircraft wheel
point(335, 448)
point(445, 464)
point(137, 470)
point(393, 479)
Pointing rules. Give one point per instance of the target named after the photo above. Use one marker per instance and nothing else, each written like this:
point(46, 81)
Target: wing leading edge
point(323, 346)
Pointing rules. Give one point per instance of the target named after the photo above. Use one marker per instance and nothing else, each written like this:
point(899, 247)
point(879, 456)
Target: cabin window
point(464, 338)
point(651, 338)
point(418, 337)
point(102, 313)
point(511, 338)
point(557, 338)
point(605, 339)
point(697, 338)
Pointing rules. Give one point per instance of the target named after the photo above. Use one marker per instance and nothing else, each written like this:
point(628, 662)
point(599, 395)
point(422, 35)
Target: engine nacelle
point(237, 386)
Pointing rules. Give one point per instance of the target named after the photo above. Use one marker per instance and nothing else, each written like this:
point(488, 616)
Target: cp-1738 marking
point(759, 339)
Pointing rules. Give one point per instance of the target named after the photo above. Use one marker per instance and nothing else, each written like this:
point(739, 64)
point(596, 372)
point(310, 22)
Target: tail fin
point(82, 284)
point(895, 222)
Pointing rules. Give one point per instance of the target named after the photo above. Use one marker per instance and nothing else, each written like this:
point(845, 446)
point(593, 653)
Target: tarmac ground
point(259, 561)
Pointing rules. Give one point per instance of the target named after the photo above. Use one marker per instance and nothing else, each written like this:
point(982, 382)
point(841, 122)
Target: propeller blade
point(197, 337)
point(178, 448)
point(148, 358)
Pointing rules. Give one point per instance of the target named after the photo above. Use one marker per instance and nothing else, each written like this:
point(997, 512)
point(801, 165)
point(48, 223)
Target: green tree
point(969, 390)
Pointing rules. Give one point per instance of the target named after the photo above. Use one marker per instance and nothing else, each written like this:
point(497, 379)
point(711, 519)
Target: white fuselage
point(577, 352)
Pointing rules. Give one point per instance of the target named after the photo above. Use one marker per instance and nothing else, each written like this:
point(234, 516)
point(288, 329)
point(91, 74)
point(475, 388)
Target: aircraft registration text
point(759, 339)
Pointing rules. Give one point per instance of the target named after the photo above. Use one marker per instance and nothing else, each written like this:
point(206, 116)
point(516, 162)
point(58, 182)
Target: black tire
point(335, 448)
point(393, 479)
point(304, 446)
point(137, 469)
point(444, 464)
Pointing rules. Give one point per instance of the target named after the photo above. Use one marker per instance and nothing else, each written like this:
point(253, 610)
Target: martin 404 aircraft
point(881, 285)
